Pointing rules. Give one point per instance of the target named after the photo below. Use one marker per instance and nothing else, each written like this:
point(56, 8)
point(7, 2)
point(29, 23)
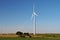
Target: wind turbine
point(34, 15)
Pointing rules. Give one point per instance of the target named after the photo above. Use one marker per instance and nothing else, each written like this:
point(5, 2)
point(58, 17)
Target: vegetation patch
point(29, 38)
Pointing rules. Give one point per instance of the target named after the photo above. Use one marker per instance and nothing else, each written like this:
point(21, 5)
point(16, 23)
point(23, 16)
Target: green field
point(29, 38)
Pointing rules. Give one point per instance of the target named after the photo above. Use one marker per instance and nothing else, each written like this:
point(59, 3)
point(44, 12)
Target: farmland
point(29, 38)
point(37, 37)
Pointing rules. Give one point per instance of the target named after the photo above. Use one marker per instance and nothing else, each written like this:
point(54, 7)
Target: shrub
point(19, 33)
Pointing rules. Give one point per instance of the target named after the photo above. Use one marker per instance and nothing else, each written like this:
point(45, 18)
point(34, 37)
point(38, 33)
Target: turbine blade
point(32, 16)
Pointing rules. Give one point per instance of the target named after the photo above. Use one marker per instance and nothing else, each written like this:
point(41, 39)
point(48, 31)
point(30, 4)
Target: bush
point(27, 34)
point(19, 33)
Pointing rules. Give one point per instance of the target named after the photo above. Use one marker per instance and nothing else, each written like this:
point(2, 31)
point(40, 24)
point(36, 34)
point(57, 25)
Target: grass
point(30, 38)
point(40, 37)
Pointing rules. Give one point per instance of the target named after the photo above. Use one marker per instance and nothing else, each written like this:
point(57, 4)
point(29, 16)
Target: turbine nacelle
point(34, 14)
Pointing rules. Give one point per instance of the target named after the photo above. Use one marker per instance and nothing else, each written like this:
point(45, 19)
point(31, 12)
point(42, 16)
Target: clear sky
point(15, 15)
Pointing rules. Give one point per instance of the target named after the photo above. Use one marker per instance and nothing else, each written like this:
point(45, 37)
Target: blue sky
point(15, 15)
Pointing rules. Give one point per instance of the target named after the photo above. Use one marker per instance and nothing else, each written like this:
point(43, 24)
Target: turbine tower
point(34, 15)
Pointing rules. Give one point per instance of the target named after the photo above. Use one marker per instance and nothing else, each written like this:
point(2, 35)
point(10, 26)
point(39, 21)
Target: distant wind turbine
point(34, 15)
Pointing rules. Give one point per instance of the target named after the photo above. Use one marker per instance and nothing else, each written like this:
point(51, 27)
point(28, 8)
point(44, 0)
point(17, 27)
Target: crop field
point(37, 37)
point(29, 38)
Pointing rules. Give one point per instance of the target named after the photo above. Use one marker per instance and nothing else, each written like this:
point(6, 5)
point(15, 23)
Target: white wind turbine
point(34, 15)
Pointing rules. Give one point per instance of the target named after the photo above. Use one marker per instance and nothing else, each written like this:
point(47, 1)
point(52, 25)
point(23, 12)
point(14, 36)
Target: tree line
point(21, 34)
